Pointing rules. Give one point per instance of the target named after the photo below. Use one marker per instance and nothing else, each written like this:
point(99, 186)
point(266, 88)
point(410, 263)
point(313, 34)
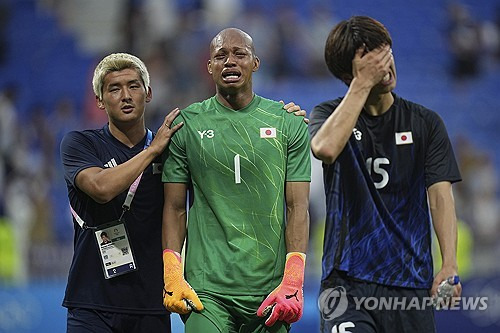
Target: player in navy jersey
point(116, 286)
point(384, 159)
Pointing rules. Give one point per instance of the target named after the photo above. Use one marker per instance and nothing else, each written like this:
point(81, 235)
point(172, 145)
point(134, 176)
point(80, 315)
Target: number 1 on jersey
point(237, 173)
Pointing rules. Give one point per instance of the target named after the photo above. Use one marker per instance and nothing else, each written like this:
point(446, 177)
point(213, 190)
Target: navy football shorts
point(349, 305)
point(89, 320)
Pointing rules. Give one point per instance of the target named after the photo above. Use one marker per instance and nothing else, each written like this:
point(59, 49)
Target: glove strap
point(294, 269)
point(301, 254)
point(175, 253)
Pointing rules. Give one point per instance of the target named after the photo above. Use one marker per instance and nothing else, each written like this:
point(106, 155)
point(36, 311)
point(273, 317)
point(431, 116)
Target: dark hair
point(347, 37)
point(104, 234)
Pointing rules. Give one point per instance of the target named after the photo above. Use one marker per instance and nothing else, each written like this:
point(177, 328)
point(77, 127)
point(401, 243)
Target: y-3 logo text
point(206, 133)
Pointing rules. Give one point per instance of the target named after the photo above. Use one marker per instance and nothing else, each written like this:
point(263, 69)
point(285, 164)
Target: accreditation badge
point(114, 248)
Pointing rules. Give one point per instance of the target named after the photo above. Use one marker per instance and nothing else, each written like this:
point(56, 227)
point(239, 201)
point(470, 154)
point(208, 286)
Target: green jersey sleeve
point(299, 157)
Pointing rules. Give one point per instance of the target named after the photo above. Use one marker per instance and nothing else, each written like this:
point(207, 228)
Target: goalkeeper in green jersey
point(247, 164)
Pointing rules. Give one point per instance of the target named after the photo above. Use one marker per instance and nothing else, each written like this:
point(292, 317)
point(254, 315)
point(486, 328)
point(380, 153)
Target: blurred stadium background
point(447, 56)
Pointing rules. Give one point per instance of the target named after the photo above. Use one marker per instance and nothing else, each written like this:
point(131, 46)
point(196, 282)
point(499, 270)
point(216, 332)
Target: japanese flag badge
point(268, 132)
point(404, 138)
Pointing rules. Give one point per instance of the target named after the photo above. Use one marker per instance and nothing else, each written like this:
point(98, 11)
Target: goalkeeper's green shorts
point(230, 314)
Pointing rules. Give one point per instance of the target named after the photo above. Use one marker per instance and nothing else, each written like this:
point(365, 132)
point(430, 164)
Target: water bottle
point(445, 291)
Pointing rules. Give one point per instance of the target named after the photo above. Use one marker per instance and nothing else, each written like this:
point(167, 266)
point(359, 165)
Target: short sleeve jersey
point(137, 292)
point(238, 163)
point(378, 222)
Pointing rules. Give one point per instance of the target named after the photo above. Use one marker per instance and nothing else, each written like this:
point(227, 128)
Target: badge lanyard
point(130, 194)
point(135, 184)
point(112, 238)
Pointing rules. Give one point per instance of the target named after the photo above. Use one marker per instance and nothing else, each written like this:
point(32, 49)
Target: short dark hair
point(347, 37)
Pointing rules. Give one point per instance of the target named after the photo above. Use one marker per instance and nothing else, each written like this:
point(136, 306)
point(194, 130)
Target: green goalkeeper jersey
point(238, 163)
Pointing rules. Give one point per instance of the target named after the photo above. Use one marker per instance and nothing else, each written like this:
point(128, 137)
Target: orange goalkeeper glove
point(286, 301)
point(178, 296)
